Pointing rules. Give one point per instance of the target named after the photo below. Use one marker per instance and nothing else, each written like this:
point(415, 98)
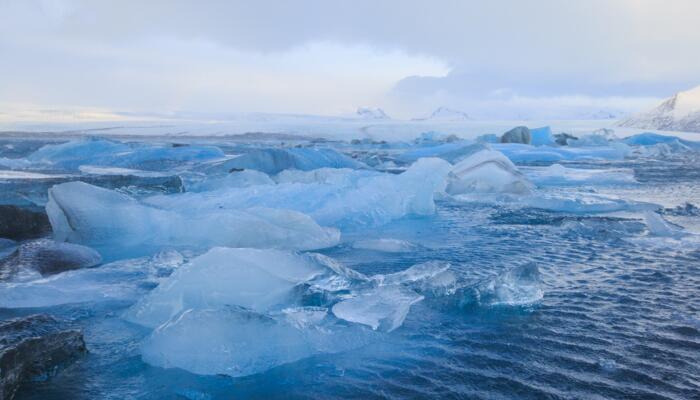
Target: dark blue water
point(620, 317)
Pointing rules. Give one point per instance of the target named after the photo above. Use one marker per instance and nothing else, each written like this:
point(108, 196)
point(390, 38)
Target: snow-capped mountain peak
point(447, 114)
point(681, 112)
point(371, 113)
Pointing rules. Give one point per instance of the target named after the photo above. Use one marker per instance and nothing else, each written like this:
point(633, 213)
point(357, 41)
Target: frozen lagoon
point(472, 270)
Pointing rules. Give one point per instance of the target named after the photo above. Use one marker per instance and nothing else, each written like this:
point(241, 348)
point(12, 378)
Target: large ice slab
point(559, 175)
point(255, 279)
point(101, 152)
point(343, 198)
point(272, 161)
point(486, 171)
point(115, 223)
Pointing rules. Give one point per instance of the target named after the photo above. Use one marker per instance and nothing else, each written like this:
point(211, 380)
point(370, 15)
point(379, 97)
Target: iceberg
point(117, 224)
point(520, 153)
point(651, 139)
point(450, 152)
point(487, 171)
point(273, 161)
point(355, 198)
point(541, 136)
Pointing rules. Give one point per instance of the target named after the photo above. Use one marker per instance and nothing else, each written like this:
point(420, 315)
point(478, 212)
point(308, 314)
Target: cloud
point(329, 56)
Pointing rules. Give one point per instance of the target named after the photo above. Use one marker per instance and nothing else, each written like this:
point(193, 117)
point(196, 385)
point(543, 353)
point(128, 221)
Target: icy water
point(619, 317)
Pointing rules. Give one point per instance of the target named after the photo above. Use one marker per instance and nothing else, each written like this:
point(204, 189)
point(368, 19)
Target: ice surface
point(598, 138)
point(234, 179)
point(385, 245)
point(272, 161)
point(525, 153)
point(658, 226)
point(102, 152)
point(235, 341)
point(383, 308)
point(651, 139)
point(117, 224)
point(124, 280)
point(486, 171)
point(559, 175)
point(541, 136)
point(251, 278)
point(451, 152)
point(354, 198)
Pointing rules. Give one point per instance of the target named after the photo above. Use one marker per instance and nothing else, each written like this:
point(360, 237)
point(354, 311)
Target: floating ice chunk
point(124, 280)
point(658, 226)
point(524, 153)
point(304, 317)
point(113, 222)
point(97, 170)
point(600, 137)
point(521, 285)
point(358, 199)
point(541, 136)
point(238, 342)
point(651, 139)
point(331, 176)
point(558, 175)
point(383, 308)
point(569, 202)
point(385, 245)
point(101, 152)
point(519, 134)
point(415, 273)
point(487, 171)
point(234, 179)
point(273, 161)
point(250, 278)
point(450, 152)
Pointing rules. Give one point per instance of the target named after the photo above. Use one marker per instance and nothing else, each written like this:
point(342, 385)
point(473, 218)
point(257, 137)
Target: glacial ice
point(486, 171)
point(252, 278)
point(658, 226)
point(385, 245)
point(272, 161)
point(517, 286)
point(46, 257)
point(116, 224)
point(450, 152)
point(559, 175)
point(383, 308)
point(356, 198)
point(101, 152)
point(525, 153)
point(236, 341)
point(234, 179)
point(123, 280)
point(651, 139)
point(541, 136)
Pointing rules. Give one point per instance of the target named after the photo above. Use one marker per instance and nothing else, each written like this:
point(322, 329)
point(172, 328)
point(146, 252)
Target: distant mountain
point(678, 113)
point(446, 114)
point(602, 114)
point(371, 113)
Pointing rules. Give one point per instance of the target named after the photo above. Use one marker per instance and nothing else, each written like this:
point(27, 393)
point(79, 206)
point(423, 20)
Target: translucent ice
point(487, 171)
point(383, 308)
point(236, 341)
point(558, 175)
point(541, 136)
point(273, 161)
point(518, 286)
point(250, 278)
point(385, 245)
point(117, 224)
point(100, 152)
point(658, 226)
point(233, 179)
point(343, 198)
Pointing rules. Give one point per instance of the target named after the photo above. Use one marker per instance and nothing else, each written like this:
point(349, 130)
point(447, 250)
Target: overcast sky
point(490, 58)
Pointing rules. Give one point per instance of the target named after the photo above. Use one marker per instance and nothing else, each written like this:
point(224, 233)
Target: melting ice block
point(559, 175)
point(658, 226)
point(251, 278)
point(236, 341)
point(342, 198)
point(105, 219)
point(518, 286)
point(487, 171)
point(383, 308)
point(101, 152)
point(273, 161)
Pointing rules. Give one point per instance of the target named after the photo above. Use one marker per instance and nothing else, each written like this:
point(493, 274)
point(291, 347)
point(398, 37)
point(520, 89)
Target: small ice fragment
point(383, 308)
point(521, 285)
